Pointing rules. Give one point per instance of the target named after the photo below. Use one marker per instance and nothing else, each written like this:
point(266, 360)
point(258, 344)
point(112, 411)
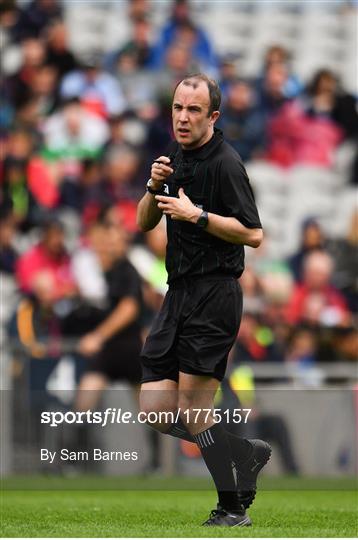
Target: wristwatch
point(203, 220)
point(162, 191)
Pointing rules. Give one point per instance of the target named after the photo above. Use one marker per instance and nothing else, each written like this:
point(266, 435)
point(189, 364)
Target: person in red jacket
point(315, 300)
point(48, 255)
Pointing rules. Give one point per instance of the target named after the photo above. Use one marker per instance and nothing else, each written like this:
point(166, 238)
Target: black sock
point(240, 448)
point(215, 449)
point(178, 429)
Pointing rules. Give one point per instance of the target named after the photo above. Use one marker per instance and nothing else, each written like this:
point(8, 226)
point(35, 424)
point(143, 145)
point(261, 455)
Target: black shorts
point(194, 330)
point(119, 360)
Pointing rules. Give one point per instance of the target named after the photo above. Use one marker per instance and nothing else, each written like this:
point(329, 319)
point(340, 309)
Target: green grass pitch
point(67, 508)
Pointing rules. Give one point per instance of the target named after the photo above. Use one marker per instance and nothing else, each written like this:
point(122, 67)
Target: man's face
point(54, 241)
point(191, 124)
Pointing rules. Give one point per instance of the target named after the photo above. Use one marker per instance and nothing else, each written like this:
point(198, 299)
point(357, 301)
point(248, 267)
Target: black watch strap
point(203, 220)
point(162, 191)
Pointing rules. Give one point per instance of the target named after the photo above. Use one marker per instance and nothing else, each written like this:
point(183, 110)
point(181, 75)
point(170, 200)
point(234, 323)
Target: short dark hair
point(213, 87)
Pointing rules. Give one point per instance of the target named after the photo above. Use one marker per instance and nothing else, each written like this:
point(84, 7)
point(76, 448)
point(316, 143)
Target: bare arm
point(227, 228)
point(148, 212)
point(124, 314)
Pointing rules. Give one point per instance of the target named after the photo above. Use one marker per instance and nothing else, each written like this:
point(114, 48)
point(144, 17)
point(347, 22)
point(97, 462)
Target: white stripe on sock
point(211, 437)
point(207, 438)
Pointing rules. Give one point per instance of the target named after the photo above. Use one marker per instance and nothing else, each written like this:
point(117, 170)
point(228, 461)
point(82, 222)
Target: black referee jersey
point(214, 178)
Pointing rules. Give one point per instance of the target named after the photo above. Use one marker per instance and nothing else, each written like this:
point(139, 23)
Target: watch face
point(203, 220)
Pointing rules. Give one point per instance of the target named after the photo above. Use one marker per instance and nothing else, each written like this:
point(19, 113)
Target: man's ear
point(214, 116)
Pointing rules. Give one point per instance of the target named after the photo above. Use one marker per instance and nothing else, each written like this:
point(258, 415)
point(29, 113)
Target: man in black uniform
point(203, 190)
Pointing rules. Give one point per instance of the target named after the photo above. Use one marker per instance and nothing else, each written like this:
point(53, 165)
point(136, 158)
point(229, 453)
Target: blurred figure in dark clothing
point(15, 192)
point(112, 340)
point(326, 97)
point(271, 90)
point(160, 129)
point(227, 73)
point(242, 123)
point(8, 254)
point(58, 53)
point(345, 254)
point(312, 238)
point(37, 15)
point(17, 88)
point(85, 194)
point(43, 90)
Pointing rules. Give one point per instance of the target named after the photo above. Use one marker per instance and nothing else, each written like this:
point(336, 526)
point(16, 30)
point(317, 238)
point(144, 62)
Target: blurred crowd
point(78, 134)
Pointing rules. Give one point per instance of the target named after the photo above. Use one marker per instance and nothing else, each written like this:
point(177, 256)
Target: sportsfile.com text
point(113, 415)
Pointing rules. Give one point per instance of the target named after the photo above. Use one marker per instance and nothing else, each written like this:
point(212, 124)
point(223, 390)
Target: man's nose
point(183, 116)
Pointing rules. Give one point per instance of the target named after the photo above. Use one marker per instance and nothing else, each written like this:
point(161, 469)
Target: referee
point(204, 192)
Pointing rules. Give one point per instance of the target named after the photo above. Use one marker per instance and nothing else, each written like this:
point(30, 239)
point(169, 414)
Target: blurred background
point(86, 93)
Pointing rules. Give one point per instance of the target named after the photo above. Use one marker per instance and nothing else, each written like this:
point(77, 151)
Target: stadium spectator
point(122, 166)
point(242, 122)
point(271, 95)
point(27, 187)
point(228, 73)
point(74, 132)
point(37, 15)
point(99, 91)
point(138, 47)
point(8, 253)
point(315, 301)
point(9, 16)
point(37, 328)
point(177, 62)
point(112, 343)
point(345, 254)
point(297, 137)
point(326, 98)
point(48, 255)
point(302, 347)
point(182, 29)
point(278, 55)
point(84, 193)
point(16, 88)
point(58, 53)
point(43, 89)
point(138, 9)
point(312, 239)
point(252, 291)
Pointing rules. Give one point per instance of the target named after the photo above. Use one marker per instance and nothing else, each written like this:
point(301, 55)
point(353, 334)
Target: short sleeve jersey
point(214, 178)
point(123, 281)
